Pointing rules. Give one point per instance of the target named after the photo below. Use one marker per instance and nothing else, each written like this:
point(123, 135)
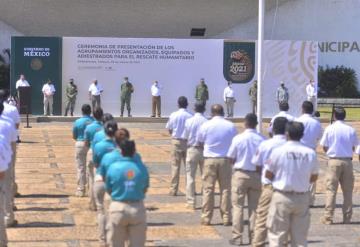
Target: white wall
point(6, 32)
point(318, 20)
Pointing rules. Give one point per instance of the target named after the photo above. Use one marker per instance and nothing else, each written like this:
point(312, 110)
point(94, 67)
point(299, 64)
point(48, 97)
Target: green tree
point(338, 82)
point(5, 69)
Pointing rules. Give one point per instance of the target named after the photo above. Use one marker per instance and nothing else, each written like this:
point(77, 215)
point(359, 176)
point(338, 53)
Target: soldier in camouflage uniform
point(253, 96)
point(202, 92)
point(282, 94)
point(126, 90)
point(71, 92)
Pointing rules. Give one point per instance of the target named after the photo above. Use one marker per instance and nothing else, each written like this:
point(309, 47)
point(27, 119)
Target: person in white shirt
point(284, 108)
point(291, 168)
point(8, 130)
point(194, 154)
point(311, 92)
point(312, 134)
point(48, 91)
point(22, 82)
point(156, 99)
point(216, 136)
point(338, 141)
point(5, 156)
point(246, 180)
point(229, 99)
point(95, 91)
point(259, 160)
point(176, 127)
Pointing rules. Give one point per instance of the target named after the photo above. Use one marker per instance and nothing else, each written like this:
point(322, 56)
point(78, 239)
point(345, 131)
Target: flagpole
point(260, 44)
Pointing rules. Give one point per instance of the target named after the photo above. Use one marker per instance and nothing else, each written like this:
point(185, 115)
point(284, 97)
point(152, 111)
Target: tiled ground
point(49, 214)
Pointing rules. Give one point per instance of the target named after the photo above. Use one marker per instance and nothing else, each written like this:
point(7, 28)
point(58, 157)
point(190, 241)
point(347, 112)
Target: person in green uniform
point(253, 96)
point(126, 90)
point(202, 92)
point(71, 92)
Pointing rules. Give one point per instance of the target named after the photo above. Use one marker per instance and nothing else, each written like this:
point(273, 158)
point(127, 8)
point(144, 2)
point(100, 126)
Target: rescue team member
point(202, 92)
point(100, 149)
point(71, 92)
point(253, 96)
point(5, 159)
point(127, 89)
point(339, 141)
point(8, 130)
point(282, 94)
point(81, 149)
point(245, 180)
point(312, 134)
point(100, 135)
point(127, 185)
point(176, 127)
point(291, 168)
point(284, 108)
point(194, 153)
point(229, 99)
point(259, 160)
point(216, 136)
point(115, 155)
point(11, 112)
point(90, 132)
point(95, 91)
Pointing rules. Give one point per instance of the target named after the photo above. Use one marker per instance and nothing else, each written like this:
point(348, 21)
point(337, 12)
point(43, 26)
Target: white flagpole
point(260, 62)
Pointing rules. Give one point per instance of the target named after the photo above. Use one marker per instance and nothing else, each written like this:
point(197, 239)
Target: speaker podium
point(24, 94)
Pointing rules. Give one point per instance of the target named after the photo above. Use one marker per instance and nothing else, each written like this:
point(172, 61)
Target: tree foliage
point(338, 82)
point(5, 69)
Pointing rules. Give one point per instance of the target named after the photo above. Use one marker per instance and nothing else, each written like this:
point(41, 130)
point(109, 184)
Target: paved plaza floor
point(50, 215)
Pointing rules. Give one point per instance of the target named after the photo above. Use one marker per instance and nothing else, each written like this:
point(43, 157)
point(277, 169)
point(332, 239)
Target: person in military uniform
point(71, 92)
point(126, 90)
point(202, 92)
point(253, 96)
point(282, 94)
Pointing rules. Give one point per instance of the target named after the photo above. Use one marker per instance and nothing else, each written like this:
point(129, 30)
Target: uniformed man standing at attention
point(229, 99)
point(312, 134)
point(71, 92)
point(216, 136)
point(176, 127)
point(127, 184)
point(81, 149)
point(246, 181)
point(291, 168)
point(282, 94)
point(202, 92)
point(339, 141)
point(126, 90)
point(259, 160)
point(95, 91)
point(253, 96)
point(194, 154)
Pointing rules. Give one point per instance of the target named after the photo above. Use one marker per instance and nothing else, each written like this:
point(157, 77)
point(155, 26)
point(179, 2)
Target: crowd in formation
point(276, 176)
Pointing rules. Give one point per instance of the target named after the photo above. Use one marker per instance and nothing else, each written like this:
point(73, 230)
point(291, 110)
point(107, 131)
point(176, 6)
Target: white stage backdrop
point(178, 65)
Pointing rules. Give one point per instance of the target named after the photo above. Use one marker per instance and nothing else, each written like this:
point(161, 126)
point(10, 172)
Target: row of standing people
point(9, 124)
point(107, 161)
point(277, 175)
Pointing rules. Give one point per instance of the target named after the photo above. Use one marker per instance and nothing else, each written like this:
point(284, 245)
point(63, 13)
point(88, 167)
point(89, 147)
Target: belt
point(340, 158)
point(179, 139)
point(291, 192)
point(267, 186)
point(229, 97)
point(242, 170)
point(194, 146)
point(216, 158)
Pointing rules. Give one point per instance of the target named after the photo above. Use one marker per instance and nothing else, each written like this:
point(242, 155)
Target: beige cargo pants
point(178, 157)
point(194, 159)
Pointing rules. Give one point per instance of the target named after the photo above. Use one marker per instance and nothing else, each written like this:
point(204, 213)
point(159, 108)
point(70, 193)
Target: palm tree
point(5, 69)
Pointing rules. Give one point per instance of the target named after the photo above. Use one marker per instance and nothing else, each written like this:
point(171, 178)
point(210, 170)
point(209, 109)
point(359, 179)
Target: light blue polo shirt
point(90, 131)
point(99, 136)
point(79, 127)
point(125, 181)
point(101, 148)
